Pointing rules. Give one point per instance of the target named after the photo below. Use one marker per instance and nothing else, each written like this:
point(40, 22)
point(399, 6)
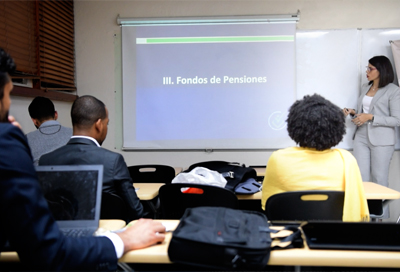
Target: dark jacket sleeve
point(27, 223)
point(124, 185)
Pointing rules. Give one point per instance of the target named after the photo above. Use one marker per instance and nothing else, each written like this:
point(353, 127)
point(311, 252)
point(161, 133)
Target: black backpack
point(240, 179)
point(221, 238)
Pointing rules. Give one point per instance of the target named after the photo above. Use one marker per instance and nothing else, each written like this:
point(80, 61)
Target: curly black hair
point(315, 122)
point(7, 66)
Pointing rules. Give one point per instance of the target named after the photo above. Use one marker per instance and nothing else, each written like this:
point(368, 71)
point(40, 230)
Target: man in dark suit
point(90, 121)
point(26, 222)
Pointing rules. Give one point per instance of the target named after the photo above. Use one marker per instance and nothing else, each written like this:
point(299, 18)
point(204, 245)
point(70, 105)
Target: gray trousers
point(373, 161)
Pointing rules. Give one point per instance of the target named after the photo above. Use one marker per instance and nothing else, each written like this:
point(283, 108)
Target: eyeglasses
point(369, 69)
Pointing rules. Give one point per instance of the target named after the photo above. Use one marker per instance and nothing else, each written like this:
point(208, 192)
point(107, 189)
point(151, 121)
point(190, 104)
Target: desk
point(158, 254)
point(376, 191)
point(147, 191)
point(178, 170)
point(373, 191)
point(104, 225)
point(260, 171)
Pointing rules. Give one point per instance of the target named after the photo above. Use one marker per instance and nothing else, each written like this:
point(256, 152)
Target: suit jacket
point(27, 223)
point(116, 178)
point(385, 106)
point(48, 137)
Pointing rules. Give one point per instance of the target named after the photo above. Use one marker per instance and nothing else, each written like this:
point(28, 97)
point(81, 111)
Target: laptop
point(73, 193)
point(351, 235)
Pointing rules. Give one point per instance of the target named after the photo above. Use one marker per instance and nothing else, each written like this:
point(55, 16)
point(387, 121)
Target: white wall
point(98, 60)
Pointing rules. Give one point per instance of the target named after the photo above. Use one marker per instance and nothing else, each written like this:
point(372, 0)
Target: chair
point(113, 207)
point(298, 206)
point(174, 201)
point(152, 173)
point(375, 207)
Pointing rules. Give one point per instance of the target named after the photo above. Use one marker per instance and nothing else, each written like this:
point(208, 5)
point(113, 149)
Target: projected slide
point(208, 86)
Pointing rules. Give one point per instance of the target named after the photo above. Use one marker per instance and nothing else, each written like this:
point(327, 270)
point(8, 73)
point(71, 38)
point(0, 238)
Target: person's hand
point(144, 233)
point(361, 118)
point(12, 120)
point(347, 111)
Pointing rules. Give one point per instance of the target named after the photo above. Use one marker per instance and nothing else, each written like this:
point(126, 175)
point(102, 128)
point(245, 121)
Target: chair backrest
point(299, 206)
point(113, 207)
point(175, 198)
point(152, 173)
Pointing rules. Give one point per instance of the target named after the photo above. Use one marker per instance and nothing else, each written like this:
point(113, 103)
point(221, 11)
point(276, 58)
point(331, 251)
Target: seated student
point(50, 134)
point(26, 221)
point(90, 125)
point(316, 125)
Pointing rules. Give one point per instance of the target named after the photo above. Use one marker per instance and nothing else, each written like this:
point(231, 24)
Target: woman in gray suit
point(376, 116)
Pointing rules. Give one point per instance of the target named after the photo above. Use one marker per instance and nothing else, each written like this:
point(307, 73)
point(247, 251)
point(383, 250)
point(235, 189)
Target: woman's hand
point(347, 111)
point(361, 118)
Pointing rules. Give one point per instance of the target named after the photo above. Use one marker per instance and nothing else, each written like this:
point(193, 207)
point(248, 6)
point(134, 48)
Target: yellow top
point(301, 169)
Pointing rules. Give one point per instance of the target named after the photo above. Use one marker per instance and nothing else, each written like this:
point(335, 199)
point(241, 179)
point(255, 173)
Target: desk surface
point(376, 191)
point(372, 191)
point(158, 254)
point(148, 191)
point(104, 225)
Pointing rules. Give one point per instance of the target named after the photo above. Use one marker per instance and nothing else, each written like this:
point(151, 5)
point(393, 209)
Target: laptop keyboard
point(77, 232)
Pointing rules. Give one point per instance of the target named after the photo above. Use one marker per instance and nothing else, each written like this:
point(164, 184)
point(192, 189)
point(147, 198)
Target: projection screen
point(207, 83)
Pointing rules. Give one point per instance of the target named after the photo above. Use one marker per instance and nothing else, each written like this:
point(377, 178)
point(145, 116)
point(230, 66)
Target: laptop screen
point(72, 192)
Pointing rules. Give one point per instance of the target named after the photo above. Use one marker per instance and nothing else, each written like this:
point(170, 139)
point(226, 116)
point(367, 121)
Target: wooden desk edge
point(158, 254)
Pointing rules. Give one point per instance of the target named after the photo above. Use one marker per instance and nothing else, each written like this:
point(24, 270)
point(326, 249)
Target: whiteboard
point(332, 63)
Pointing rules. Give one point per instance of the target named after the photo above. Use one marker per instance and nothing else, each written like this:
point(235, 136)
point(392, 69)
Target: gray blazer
point(385, 106)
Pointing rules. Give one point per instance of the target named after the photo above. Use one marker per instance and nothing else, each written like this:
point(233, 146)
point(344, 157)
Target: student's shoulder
point(282, 154)
point(8, 130)
point(109, 153)
point(66, 129)
point(347, 155)
point(14, 141)
point(393, 88)
point(32, 135)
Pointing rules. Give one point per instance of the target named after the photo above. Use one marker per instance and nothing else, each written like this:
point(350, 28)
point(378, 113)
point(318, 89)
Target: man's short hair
point(86, 110)
point(315, 122)
point(41, 108)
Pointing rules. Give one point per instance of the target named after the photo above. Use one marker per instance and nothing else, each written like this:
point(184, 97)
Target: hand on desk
point(144, 233)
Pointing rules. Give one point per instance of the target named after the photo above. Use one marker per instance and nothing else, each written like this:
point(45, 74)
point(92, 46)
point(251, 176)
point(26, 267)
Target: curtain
point(396, 56)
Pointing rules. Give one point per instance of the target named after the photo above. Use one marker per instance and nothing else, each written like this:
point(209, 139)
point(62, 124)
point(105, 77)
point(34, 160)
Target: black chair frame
point(151, 173)
point(173, 202)
point(291, 206)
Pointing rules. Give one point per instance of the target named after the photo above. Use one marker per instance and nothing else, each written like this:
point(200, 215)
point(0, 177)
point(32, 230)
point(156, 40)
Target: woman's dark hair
point(315, 122)
point(385, 69)
point(7, 66)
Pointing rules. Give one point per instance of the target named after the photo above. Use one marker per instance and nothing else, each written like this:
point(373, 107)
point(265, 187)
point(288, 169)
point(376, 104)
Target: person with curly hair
point(376, 116)
point(27, 224)
point(316, 125)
